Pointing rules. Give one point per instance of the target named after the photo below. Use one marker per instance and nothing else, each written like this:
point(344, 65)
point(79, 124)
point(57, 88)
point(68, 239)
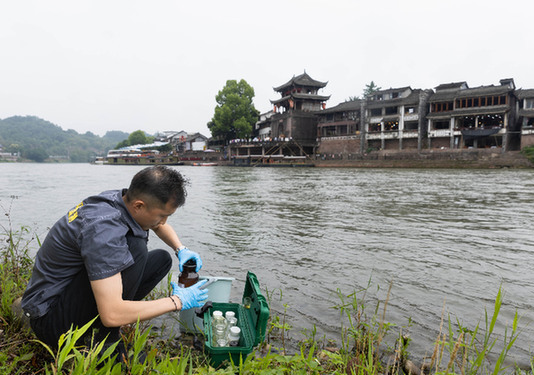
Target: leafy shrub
point(529, 153)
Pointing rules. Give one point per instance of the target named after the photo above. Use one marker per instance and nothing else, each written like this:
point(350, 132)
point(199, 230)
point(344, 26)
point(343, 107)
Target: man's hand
point(184, 255)
point(190, 297)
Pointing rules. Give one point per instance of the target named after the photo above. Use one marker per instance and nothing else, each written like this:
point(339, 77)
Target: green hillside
point(37, 139)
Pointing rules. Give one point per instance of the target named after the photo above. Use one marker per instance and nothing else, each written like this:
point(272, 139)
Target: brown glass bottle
point(189, 275)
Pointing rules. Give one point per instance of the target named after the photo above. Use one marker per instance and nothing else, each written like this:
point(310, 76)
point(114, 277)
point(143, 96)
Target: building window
point(391, 126)
point(352, 115)
point(328, 131)
point(441, 125)
point(466, 122)
point(484, 101)
point(529, 103)
point(374, 128)
point(412, 126)
point(490, 121)
point(391, 110)
point(442, 107)
point(376, 112)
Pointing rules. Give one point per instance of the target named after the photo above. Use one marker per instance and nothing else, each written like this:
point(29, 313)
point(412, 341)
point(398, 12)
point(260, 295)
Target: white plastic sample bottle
point(233, 336)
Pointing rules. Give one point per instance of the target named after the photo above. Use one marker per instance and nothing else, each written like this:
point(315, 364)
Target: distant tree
point(80, 156)
point(36, 154)
point(122, 144)
point(115, 136)
point(370, 89)
point(14, 148)
point(138, 137)
point(30, 133)
point(235, 113)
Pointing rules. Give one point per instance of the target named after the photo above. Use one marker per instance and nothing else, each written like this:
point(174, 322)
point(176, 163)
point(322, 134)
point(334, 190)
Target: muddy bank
point(481, 158)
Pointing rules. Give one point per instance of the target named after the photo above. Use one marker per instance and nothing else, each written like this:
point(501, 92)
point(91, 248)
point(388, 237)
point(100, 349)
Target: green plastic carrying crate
point(251, 318)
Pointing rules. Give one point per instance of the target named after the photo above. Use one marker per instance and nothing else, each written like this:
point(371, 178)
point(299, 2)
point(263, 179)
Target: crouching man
point(95, 261)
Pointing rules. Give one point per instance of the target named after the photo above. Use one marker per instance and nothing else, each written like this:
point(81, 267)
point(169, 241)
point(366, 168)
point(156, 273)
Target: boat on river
point(207, 164)
point(140, 157)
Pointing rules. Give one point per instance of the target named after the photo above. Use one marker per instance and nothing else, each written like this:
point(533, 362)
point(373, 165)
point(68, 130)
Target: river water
point(446, 240)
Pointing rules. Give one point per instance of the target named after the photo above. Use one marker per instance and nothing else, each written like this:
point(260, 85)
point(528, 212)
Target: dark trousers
point(76, 306)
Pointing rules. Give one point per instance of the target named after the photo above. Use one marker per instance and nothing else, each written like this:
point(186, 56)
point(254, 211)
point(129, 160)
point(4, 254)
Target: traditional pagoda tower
point(300, 94)
point(295, 111)
point(286, 136)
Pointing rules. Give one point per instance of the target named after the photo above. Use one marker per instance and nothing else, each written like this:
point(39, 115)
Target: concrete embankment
point(469, 159)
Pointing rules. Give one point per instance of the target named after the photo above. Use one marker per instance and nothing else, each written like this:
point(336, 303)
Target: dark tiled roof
point(522, 94)
point(413, 98)
point(444, 96)
point(484, 90)
point(282, 99)
point(399, 89)
point(508, 82)
point(301, 96)
point(303, 80)
point(193, 136)
point(353, 105)
point(451, 86)
point(441, 96)
point(297, 95)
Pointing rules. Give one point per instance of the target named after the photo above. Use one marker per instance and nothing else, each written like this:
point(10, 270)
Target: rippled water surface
point(441, 237)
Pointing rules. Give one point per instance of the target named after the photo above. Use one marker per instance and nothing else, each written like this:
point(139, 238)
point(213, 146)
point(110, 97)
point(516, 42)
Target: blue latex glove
point(191, 297)
point(184, 255)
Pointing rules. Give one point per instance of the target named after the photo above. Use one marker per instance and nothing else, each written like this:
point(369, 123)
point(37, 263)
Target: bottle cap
point(217, 313)
point(235, 330)
point(229, 314)
point(190, 263)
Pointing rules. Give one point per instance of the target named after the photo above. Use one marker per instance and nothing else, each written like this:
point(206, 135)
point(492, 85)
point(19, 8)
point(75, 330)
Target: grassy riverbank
point(369, 344)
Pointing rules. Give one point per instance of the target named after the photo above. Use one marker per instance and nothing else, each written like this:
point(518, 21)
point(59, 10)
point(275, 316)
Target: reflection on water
point(440, 236)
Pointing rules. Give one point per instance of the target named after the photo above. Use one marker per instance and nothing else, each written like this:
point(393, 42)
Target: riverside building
point(287, 135)
point(452, 116)
point(525, 112)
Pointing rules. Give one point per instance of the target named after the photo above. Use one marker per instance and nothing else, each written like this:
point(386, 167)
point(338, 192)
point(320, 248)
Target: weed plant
point(364, 346)
point(529, 153)
point(19, 354)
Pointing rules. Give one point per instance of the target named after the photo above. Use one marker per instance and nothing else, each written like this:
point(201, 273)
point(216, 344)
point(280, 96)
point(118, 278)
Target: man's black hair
point(162, 183)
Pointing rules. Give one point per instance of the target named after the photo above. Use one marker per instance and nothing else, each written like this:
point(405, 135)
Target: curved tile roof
point(301, 96)
point(301, 80)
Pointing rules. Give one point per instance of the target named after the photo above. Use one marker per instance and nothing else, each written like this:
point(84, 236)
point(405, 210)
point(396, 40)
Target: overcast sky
point(157, 65)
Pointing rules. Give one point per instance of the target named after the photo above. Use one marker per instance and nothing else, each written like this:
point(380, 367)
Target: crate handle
point(200, 312)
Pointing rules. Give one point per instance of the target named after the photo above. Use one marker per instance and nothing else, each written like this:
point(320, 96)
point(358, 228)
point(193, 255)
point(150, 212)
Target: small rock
point(411, 368)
